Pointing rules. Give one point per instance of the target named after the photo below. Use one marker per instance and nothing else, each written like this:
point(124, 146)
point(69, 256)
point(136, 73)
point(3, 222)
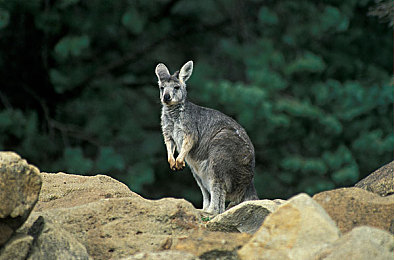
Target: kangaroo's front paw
point(172, 163)
point(180, 164)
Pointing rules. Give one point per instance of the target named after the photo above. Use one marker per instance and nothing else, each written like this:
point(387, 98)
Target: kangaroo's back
point(214, 127)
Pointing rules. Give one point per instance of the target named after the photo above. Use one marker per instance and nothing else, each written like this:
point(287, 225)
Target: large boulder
point(380, 181)
point(62, 190)
point(362, 243)
point(53, 242)
point(20, 185)
point(296, 230)
point(353, 207)
point(245, 217)
point(211, 245)
point(119, 227)
point(162, 255)
point(113, 222)
point(17, 248)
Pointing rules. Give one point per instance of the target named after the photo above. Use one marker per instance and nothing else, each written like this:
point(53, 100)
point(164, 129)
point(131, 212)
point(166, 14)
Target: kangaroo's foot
point(206, 216)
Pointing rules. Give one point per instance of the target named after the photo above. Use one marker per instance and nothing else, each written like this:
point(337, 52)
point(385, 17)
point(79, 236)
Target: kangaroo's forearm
point(187, 145)
point(170, 152)
point(170, 148)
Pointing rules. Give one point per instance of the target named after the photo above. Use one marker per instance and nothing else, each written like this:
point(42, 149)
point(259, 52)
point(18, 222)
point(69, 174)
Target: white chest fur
point(178, 135)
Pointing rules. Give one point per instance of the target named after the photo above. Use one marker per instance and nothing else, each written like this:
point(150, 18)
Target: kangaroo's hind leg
point(204, 191)
point(244, 188)
point(218, 197)
point(250, 193)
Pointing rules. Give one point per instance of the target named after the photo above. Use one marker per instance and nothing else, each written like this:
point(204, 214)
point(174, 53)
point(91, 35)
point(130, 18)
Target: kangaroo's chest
point(173, 127)
point(176, 129)
point(178, 134)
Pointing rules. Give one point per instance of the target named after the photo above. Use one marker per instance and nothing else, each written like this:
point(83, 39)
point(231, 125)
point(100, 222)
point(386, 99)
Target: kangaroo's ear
point(162, 72)
point(186, 71)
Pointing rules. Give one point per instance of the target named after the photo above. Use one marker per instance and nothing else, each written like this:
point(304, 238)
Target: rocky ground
point(65, 216)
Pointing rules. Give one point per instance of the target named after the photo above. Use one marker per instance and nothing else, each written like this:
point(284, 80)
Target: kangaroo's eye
point(176, 87)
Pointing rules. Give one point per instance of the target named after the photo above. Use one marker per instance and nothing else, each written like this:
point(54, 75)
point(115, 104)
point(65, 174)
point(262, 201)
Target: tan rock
point(20, 185)
point(120, 227)
point(353, 207)
point(17, 247)
point(163, 255)
point(113, 222)
point(53, 242)
point(245, 217)
point(5, 232)
point(203, 242)
point(362, 243)
point(296, 230)
point(62, 190)
point(380, 181)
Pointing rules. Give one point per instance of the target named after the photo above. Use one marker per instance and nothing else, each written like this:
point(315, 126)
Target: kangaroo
point(215, 147)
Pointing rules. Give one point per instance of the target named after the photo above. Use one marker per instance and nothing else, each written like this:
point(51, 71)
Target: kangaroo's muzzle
point(167, 98)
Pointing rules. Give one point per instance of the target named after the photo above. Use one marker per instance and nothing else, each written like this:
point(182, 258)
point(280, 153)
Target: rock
point(362, 243)
point(163, 255)
point(120, 227)
point(211, 245)
point(62, 190)
point(17, 247)
point(380, 181)
point(296, 230)
point(352, 207)
point(113, 222)
point(245, 217)
point(220, 255)
point(5, 232)
point(20, 185)
point(52, 242)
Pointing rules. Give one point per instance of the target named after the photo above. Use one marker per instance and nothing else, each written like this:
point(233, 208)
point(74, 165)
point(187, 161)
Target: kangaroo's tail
point(250, 193)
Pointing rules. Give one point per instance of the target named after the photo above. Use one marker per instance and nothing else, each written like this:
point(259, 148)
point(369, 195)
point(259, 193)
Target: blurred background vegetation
point(311, 82)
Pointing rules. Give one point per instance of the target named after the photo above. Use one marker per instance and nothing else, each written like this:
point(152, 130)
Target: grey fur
point(216, 148)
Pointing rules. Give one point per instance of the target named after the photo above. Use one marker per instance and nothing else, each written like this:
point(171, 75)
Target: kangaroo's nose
point(167, 97)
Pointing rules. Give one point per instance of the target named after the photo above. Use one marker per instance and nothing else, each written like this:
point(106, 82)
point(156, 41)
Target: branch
point(384, 10)
point(73, 131)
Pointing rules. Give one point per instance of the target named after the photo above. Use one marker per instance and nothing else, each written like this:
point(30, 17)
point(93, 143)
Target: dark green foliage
point(310, 82)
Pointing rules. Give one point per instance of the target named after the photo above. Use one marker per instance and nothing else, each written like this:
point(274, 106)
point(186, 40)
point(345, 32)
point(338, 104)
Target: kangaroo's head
point(173, 87)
